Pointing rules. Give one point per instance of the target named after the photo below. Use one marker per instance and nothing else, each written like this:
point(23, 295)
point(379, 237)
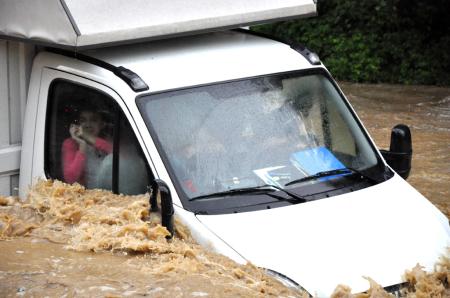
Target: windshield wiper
point(255, 189)
point(330, 173)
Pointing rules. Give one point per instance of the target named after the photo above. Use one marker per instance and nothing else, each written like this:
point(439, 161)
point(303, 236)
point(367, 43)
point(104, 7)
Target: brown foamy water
point(68, 241)
point(65, 241)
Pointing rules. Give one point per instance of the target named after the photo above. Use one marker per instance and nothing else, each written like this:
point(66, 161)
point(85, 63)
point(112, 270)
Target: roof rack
point(131, 78)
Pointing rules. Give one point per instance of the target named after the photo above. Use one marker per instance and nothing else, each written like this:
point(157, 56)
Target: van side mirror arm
point(167, 211)
point(400, 151)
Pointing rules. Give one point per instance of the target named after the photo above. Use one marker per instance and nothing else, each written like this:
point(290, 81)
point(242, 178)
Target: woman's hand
point(88, 137)
point(76, 132)
point(84, 134)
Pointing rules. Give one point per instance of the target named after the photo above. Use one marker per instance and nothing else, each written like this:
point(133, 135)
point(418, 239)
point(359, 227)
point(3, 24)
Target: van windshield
point(271, 130)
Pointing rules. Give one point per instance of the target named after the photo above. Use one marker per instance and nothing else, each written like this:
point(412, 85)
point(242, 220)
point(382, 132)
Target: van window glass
point(269, 130)
point(80, 136)
point(133, 173)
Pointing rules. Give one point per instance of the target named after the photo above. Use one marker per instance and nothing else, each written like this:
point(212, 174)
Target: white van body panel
point(15, 67)
point(377, 232)
point(205, 237)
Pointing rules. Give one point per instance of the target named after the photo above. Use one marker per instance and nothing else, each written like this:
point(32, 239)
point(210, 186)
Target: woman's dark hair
point(83, 107)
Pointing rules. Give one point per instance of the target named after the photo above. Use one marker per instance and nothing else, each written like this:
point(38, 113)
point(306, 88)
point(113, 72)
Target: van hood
point(378, 232)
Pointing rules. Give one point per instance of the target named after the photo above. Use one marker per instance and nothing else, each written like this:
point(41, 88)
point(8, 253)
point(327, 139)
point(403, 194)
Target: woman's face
point(91, 122)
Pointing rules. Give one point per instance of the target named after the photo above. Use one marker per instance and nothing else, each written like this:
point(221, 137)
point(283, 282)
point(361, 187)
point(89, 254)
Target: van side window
point(132, 170)
point(87, 140)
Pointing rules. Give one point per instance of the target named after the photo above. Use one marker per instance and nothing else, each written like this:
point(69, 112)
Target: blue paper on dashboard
point(315, 160)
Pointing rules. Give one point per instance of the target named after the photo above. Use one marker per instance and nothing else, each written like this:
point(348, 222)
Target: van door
point(84, 134)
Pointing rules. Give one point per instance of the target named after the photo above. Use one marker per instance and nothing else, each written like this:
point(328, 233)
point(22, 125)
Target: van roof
point(96, 23)
point(201, 59)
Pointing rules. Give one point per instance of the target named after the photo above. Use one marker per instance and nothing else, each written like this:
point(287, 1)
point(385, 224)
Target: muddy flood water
point(426, 110)
point(65, 241)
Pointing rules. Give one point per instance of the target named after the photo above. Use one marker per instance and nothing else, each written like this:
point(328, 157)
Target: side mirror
point(400, 151)
point(159, 186)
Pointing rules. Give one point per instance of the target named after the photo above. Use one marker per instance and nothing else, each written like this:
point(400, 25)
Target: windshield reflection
point(262, 131)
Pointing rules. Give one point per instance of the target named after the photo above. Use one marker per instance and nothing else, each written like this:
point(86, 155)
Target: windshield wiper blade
point(254, 189)
point(234, 191)
point(330, 173)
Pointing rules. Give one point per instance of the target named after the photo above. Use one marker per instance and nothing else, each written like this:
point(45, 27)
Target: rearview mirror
point(160, 187)
point(400, 151)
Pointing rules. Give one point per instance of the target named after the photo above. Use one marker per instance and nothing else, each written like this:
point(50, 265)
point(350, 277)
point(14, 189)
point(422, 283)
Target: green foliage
point(393, 41)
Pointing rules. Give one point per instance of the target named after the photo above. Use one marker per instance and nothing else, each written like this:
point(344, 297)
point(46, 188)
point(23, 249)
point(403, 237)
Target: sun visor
point(96, 23)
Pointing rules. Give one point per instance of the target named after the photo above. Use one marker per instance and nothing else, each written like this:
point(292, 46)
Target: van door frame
point(48, 76)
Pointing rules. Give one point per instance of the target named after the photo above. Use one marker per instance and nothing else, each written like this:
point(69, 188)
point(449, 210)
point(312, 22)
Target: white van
point(249, 141)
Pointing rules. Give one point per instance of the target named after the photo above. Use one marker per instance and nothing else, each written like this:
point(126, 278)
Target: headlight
point(286, 281)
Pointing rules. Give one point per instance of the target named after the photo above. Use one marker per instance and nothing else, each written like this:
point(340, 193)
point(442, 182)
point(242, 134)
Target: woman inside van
point(85, 149)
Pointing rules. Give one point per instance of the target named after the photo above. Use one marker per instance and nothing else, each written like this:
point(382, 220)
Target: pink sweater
point(74, 161)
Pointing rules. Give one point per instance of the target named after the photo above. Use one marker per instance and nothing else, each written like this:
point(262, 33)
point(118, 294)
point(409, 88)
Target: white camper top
point(96, 23)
